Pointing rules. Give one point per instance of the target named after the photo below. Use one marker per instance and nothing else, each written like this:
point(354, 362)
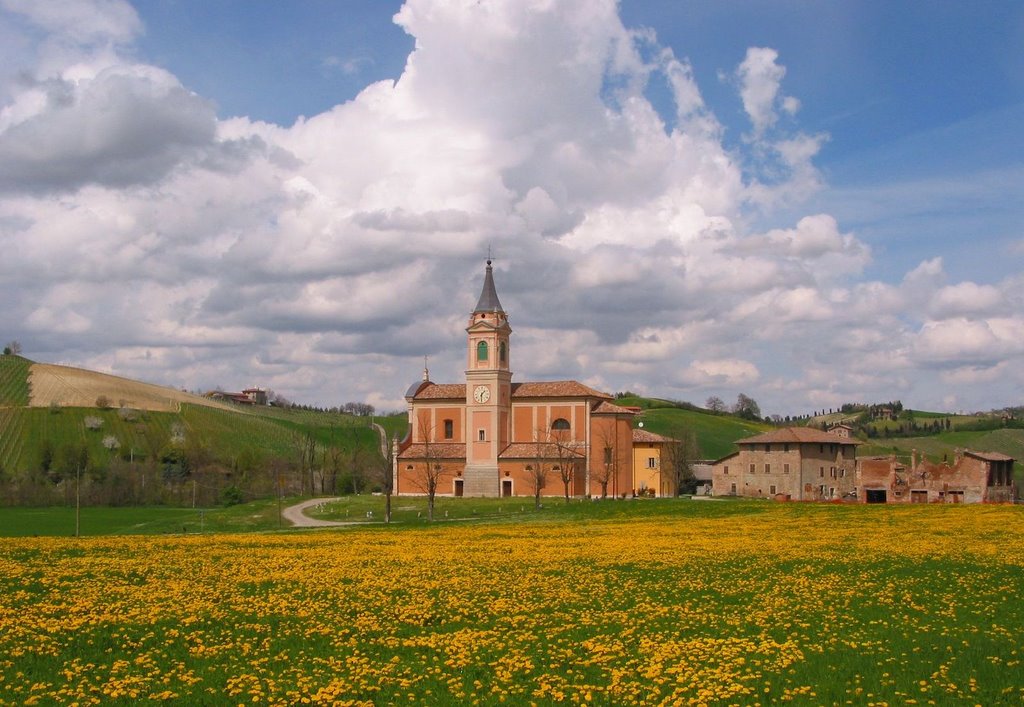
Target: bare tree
point(565, 452)
point(304, 447)
point(715, 404)
point(387, 477)
point(609, 468)
point(677, 461)
point(433, 469)
point(539, 467)
point(746, 407)
point(13, 348)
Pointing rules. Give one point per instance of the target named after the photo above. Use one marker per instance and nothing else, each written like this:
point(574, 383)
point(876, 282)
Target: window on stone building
point(767, 468)
point(481, 435)
point(753, 468)
point(725, 470)
point(785, 447)
point(481, 351)
point(767, 447)
point(502, 352)
point(785, 468)
point(652, 462)
point(449, 429)
point(821, 472)
point(560, 424)
point(771, 489)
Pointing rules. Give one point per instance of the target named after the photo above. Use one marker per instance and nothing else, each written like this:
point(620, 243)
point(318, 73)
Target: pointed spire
point(488, 301)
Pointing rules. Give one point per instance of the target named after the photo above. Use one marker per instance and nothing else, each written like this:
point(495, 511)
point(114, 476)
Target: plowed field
point(74, 387)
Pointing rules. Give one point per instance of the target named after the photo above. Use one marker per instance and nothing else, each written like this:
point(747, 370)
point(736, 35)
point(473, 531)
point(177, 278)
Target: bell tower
point(488, 391)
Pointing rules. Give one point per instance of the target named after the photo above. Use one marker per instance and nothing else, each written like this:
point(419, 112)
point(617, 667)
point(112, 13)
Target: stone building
point(793, 463)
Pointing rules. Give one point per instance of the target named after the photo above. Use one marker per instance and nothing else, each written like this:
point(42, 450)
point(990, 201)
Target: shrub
point(231, 496)
point(92, 422)
point(102, 402)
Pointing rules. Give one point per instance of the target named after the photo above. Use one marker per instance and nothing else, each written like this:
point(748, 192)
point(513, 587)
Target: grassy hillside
point(716, 434)
point(944, 445)
point(14, 389)
point(230, 439)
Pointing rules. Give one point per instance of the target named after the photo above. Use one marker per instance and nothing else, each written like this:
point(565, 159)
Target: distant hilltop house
point(801, 463)
point(249, 396)
point(490, 436)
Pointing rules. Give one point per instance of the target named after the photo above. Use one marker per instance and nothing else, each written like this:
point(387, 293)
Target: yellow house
point(649, 451)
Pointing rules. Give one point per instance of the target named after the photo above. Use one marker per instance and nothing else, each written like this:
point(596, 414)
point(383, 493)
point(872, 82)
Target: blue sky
point(806, 202)
point(907, 92)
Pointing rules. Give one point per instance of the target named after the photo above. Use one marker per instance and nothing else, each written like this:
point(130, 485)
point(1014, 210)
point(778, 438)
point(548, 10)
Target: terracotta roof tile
point(438, 450)
point(606, 408)
point(989, 456)
point(528, 450)
point(649, 437)
point(441, 391)
point(555, 389)
point(797, 435)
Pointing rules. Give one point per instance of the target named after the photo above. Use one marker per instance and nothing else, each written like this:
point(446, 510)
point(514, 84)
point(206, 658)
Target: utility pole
point(280, 516)
point(78, 500)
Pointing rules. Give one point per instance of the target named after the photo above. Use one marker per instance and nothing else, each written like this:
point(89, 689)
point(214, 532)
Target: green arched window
point(502, 352)
point(481, 351)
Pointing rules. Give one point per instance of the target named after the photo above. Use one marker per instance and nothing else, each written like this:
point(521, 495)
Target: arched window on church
point(502, 352)
point(560, 424)
point(481, 351)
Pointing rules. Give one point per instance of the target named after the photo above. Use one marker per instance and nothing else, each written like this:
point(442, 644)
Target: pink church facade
point(492, 437)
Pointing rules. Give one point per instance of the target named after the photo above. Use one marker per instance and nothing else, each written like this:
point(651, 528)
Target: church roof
point(555, 389)
point(529, 450)
point(528, 389)
point(438, 450)
point(488, 301)
point(440, 391)
point(797, 435)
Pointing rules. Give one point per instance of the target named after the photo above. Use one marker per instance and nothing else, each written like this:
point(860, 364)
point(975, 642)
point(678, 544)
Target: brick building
point(972, 477)
point(490, 436)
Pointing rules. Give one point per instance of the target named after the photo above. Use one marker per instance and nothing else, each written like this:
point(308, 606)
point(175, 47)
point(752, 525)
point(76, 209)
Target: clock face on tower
point(481, 394)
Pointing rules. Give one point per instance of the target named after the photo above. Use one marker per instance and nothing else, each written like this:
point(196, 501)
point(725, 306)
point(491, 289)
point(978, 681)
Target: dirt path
point(382, 433)
point(296, 515)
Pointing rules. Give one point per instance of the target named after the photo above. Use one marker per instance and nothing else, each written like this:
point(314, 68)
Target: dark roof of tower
point(488, 301)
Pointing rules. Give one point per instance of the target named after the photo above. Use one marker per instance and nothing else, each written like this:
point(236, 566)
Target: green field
point(716, 434)
point(14, 389)
point(681, 602)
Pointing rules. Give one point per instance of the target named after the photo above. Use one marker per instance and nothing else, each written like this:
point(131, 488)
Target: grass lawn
point(148, 520)
point(676, 601)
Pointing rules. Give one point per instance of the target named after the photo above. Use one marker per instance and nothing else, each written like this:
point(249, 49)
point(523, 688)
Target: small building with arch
point(490, 436)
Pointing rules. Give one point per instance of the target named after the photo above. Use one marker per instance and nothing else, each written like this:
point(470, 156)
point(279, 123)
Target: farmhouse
point(802, 463)
point(972, 477)
point(798, 463)
point(249, 396)
point(490, 436)
point(651, 453)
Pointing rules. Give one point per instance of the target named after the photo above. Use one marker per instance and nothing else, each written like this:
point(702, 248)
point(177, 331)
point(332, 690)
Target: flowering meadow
point(719, 603)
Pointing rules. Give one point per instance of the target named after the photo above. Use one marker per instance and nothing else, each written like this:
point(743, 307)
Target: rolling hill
point(45, 408)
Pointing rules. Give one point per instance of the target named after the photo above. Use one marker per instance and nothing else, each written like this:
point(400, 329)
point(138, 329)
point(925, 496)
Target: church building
point(492, 436)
